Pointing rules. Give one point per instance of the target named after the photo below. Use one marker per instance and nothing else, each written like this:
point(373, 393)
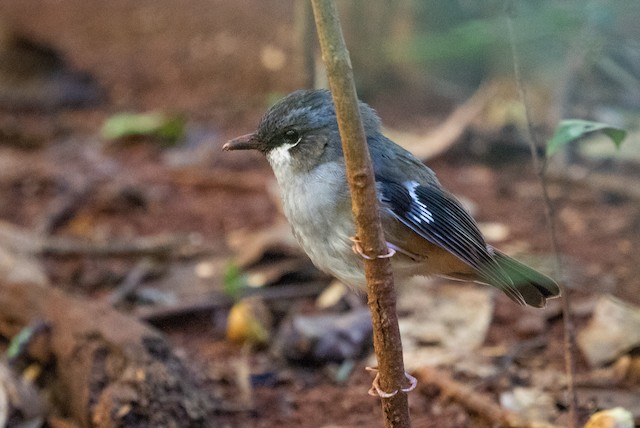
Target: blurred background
point(114, 191)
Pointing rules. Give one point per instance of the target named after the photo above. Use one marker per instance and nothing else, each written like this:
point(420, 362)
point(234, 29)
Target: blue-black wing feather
point(439, 218)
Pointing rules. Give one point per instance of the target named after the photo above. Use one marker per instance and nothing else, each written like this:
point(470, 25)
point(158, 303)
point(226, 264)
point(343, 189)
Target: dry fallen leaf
point(613, 330)
point(455, 324)
point(618, 417)
point(530, 403)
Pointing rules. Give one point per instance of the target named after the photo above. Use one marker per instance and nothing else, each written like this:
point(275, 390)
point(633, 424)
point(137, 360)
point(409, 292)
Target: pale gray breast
point(318, 207)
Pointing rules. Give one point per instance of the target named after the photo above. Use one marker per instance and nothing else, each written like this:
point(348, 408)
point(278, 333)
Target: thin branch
point(305, 41)
point(134, 278)
point(540, 167)
point(380, 289)
point(470, 399)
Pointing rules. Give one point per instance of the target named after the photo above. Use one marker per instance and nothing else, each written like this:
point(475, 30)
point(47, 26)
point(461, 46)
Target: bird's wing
point(438, 217)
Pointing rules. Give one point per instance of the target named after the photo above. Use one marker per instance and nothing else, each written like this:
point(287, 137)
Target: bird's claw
point(376, 391)
point(357, 248)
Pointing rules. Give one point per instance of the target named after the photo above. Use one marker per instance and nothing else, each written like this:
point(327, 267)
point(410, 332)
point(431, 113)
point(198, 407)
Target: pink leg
point(357, 248)
point(375, 390)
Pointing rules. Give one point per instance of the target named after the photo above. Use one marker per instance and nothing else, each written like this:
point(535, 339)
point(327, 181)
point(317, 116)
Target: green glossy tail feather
point(529, 286)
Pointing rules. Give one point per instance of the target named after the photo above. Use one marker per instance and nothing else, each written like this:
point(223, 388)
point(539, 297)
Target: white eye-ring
point(292, 138)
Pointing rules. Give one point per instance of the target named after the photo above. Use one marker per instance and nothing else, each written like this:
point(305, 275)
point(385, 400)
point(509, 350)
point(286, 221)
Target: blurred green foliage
point(468, 40)
point(234, 282)
point(169, 129)
point(572, 130)
point(578, 58)
point(478, 38)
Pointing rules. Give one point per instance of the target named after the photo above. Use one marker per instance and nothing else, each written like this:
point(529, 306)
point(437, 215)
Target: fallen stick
point(159, 246)
point(215, 301)
point(110, 369)
point(133, 279)
point(439, 140)
point(469, 398)
point(22, 241)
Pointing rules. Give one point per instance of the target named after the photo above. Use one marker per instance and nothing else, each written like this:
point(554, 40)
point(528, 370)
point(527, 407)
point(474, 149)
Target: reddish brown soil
point(202, 58)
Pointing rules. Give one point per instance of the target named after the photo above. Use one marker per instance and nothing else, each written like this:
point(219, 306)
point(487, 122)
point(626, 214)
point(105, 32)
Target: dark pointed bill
point(244, 142)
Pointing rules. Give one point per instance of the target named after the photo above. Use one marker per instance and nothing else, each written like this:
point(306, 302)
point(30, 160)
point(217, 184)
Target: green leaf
point(154, 124)
point(234, 282)
point(574, 129)
point(19, 342)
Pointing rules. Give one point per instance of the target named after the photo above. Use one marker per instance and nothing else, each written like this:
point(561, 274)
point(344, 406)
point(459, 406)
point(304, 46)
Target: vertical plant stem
point(540, 166)
point(380, 289)
point(305, 41)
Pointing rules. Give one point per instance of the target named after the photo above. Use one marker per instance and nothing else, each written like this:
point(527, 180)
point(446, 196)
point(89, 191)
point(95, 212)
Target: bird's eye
point(291, 136)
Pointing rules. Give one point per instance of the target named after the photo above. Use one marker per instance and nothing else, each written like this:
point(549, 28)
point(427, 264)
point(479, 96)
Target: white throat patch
point(280, 157)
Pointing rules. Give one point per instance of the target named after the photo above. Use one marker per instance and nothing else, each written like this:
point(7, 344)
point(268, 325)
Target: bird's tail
point(529, 286)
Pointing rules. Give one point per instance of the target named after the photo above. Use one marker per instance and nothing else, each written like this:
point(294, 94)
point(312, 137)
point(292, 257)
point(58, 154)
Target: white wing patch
point(418, 211)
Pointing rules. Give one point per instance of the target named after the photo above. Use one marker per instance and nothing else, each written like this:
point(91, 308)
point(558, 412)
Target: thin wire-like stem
point(540, 167)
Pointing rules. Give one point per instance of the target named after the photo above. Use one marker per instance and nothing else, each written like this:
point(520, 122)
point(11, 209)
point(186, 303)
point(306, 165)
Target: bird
point(426, 228)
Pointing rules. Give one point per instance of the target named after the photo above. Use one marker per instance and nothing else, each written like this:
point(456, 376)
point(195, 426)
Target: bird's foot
point(357, 248)
point(376, 391)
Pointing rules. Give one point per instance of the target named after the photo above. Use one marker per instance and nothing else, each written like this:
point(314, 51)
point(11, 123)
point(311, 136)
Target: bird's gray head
point(301, 130)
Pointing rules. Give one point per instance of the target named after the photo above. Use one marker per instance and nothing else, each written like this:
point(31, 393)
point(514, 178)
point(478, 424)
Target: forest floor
point(218, 64)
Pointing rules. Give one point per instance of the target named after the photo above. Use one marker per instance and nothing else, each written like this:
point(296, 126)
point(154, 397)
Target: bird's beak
point(244, 142)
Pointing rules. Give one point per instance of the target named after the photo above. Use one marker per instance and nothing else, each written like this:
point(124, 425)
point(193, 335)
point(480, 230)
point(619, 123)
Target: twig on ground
point(133, 279)
point(159, 245)
point(66, 207)
point(22, 241)
point(469, 398)
point(200, 304)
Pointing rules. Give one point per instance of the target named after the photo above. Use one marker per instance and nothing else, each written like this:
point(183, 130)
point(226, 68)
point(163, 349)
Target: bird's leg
point(376, 391)
point(357, 248)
